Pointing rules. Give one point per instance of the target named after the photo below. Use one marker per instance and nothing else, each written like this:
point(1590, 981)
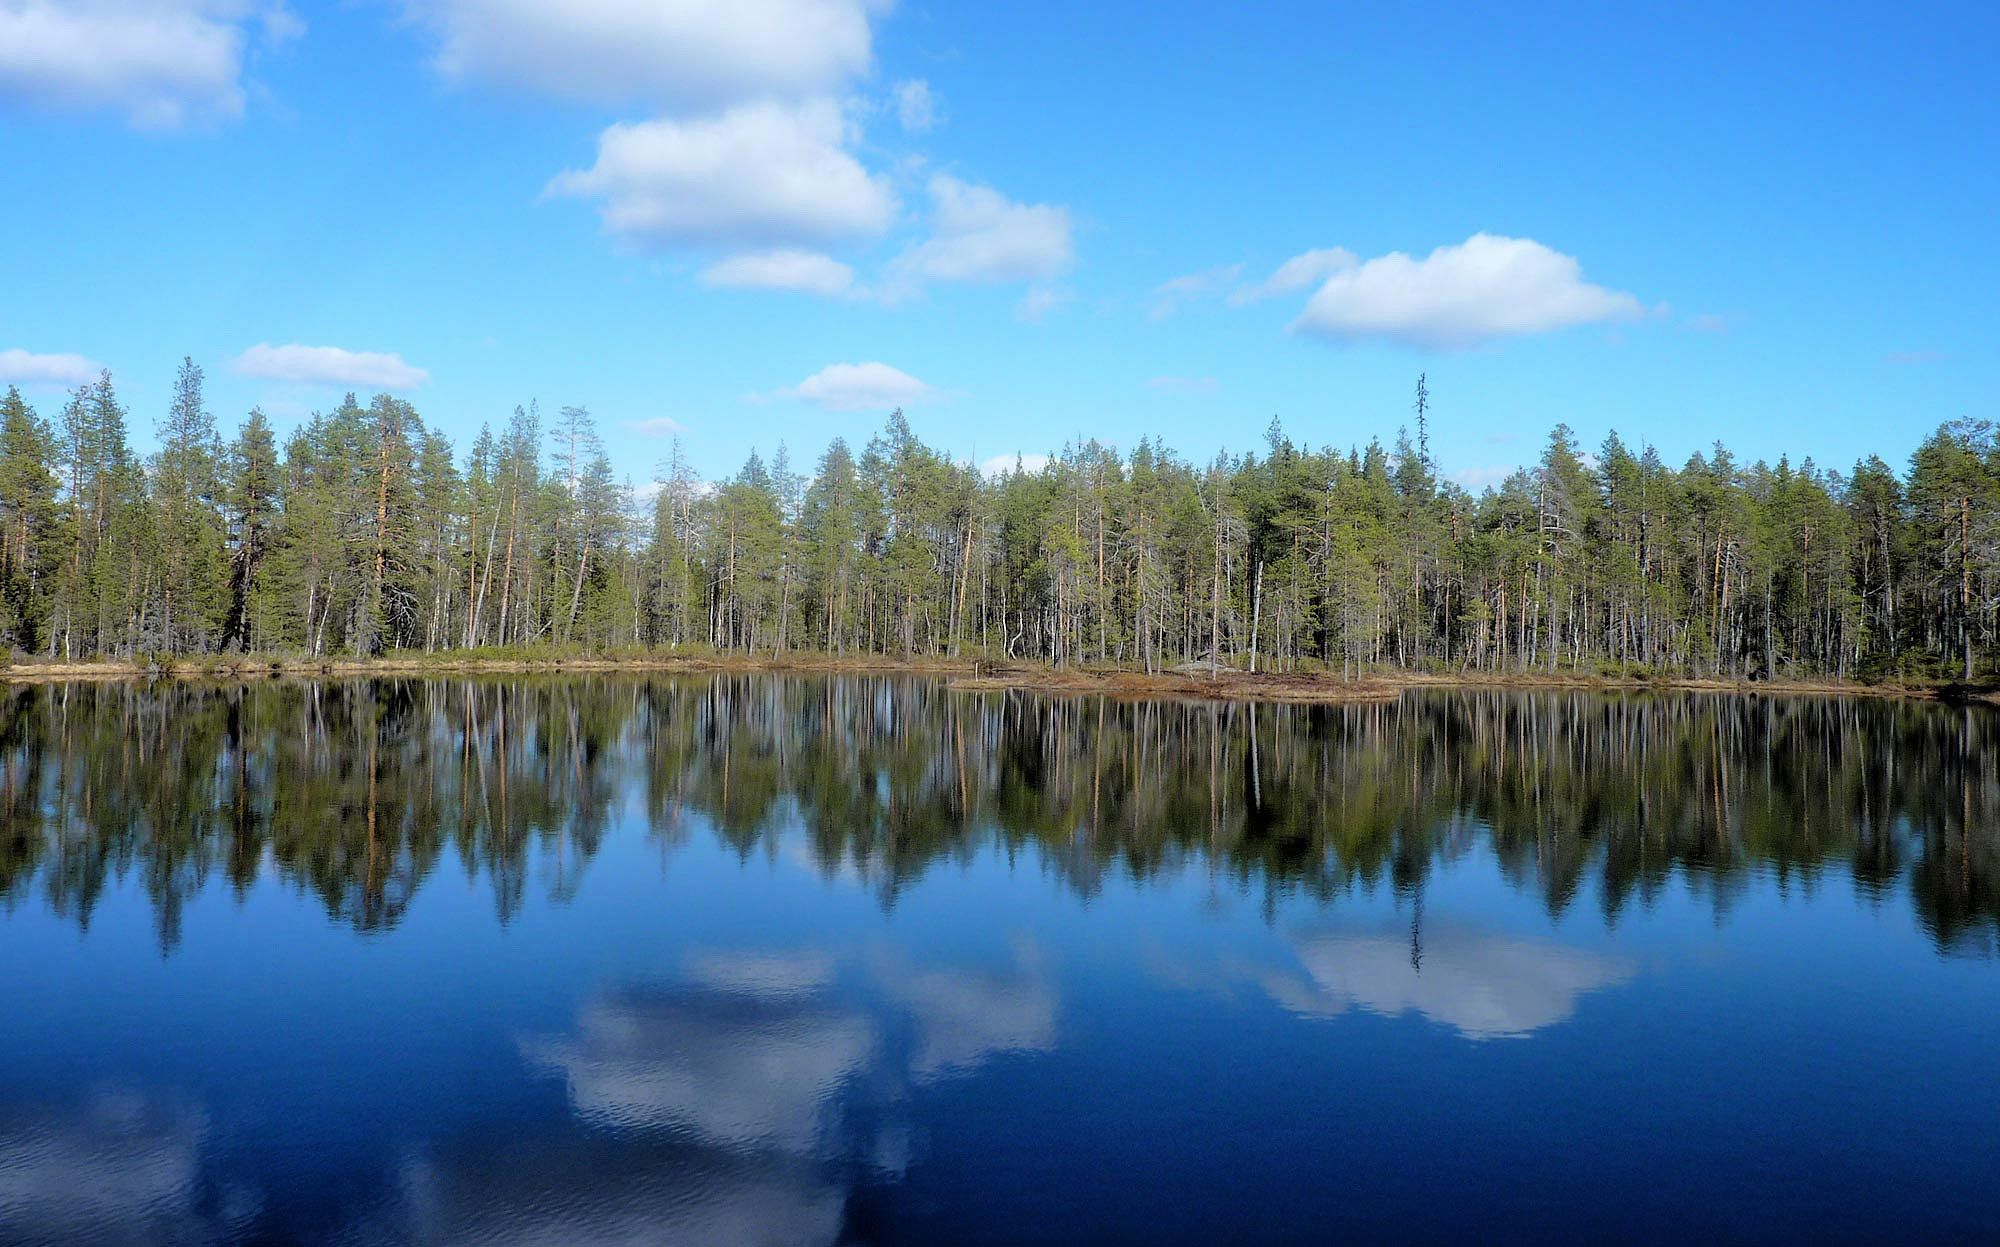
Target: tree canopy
point(365, 532)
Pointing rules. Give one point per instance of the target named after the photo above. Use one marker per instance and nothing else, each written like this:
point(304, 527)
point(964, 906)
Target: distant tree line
point(365, 532)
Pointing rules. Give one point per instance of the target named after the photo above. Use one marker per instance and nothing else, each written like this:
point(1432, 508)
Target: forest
point(365, 532)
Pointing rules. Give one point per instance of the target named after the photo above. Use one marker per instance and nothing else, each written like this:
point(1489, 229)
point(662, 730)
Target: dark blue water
point(798, 961)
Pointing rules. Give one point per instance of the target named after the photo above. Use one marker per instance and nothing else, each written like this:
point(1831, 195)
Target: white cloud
point(1461, 296)
point(678, 54)
point(656, 426)
point(1184, 385)
point(1296, 274)
point(28, 368)
point(329, 365)
point(916, 106)
point(1712, 322)
point(1035, 306)
point(1002, 465)
point(979, 235)
point(1170, 295)
point(752, 145)
point(762, 174)
point(807, 272)
point(162, 63)
point(861, 387)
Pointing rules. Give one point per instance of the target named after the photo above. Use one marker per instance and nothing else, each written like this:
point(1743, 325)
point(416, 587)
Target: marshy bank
point(1199, 681)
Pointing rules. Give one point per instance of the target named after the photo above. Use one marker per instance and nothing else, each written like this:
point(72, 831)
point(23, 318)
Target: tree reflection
point(354, 793)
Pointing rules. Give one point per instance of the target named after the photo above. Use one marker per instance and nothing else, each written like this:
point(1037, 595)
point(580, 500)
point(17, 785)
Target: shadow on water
point(356, 794)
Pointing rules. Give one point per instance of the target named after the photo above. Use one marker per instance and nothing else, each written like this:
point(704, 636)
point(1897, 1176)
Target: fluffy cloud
point(679, 54)
point(861, 387)
point(979, 235)
point(1296, 274)
point(807, 272)
point(916, 106)
point(1461, 296)
point(766, 174)
point(329, 365)
point(28, 368)
point(750, 147)
point(161, 63)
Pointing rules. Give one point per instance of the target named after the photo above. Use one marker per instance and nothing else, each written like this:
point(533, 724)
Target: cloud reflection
point(964, 1018)
point(772, 974)
point(1483, 985)
point(119, 1168)
point(739, 1069)
point(739, 1105)
point(583, 1189)
point(754, 1050)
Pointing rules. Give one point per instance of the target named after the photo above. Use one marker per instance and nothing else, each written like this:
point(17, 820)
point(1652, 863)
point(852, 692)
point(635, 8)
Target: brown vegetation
point(1193, 681)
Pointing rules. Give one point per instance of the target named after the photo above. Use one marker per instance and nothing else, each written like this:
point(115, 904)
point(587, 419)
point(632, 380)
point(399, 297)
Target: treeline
point(367, 532)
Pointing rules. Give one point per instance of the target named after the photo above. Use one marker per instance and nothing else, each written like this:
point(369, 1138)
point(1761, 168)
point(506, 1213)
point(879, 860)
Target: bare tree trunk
point(1215, 597)
point(964, 578)
point(576, 594)
point(1256, 613)
point(507, 574)
point(381, 546)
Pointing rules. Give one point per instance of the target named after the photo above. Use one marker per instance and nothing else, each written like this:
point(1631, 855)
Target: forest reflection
point(355, 794)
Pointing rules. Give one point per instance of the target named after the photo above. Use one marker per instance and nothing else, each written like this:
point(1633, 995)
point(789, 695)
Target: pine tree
point(188, 527)
point(252, 492)
point(28, 522)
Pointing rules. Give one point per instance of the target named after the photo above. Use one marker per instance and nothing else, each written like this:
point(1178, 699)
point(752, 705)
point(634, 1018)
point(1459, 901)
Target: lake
point(778, 960)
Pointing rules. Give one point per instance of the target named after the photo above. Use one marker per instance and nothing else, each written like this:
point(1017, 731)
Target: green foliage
point(366, 534)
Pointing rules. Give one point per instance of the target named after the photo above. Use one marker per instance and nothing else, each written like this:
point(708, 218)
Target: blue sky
point(768, 220)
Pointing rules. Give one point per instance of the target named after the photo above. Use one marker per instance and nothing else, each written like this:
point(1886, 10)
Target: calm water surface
point(808, 961)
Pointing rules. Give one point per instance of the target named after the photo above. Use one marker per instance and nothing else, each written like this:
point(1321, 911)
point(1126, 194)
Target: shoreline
point(1188, 682)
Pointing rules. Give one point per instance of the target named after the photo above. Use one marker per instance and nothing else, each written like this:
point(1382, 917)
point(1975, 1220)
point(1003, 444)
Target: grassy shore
point(1192, 681)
